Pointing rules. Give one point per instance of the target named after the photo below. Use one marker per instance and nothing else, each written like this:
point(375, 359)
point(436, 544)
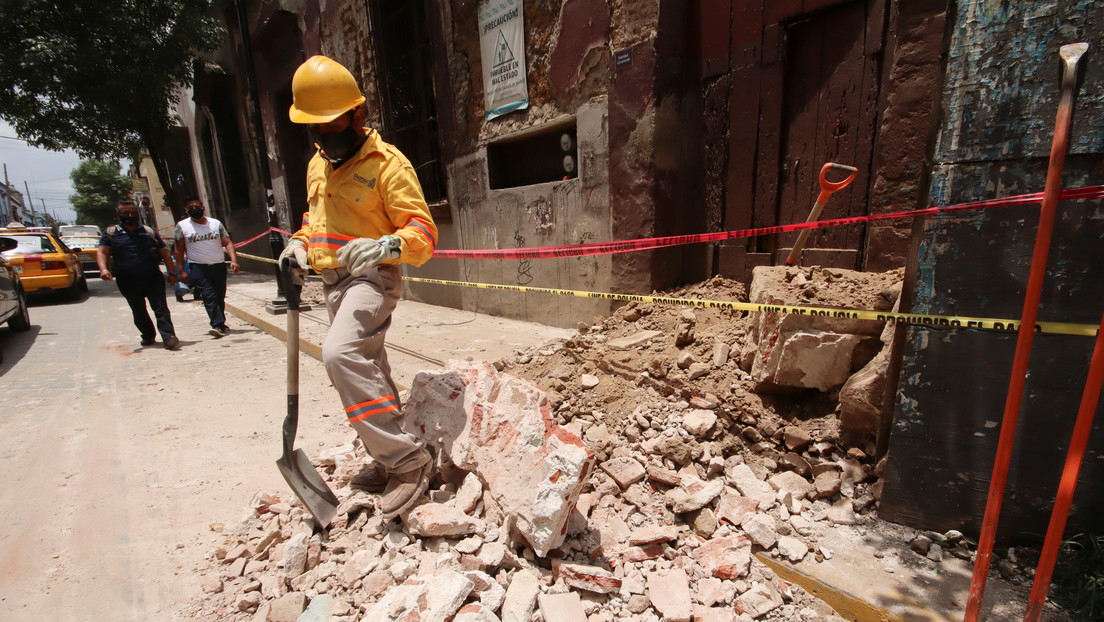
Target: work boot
point(403, 489)
point(172, 342)
point(372, 478)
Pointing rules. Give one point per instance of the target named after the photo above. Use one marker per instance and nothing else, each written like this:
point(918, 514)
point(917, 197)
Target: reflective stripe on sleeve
point(414, 222)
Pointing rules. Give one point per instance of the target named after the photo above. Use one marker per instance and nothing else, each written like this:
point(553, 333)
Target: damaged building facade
point(643, 119)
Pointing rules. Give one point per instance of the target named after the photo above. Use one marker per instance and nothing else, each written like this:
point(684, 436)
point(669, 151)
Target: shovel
point(826, 190)
point(300, 474)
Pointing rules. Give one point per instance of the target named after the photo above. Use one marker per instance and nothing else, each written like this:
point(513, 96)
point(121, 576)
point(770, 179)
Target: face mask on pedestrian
point(340, 146)
point(195, 212)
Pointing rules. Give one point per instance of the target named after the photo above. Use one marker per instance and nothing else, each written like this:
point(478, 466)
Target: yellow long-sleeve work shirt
point(375, 193)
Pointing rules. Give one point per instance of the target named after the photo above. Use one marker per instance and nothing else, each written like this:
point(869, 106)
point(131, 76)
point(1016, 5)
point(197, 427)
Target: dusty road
point(117, 458)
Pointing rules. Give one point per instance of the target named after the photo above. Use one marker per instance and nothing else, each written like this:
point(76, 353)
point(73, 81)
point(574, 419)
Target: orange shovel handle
point(835, 186)
point(826, 190)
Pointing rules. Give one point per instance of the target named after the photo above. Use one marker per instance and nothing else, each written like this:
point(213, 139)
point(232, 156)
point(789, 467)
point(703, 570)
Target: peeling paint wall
point(1000, 100)
point(621, 120)
point(559, 213)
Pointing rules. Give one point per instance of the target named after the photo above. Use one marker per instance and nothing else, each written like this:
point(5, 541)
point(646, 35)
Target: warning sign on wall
point(502, 43)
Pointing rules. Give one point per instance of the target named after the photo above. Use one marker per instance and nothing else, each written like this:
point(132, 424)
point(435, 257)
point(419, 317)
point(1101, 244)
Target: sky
point(45, 172)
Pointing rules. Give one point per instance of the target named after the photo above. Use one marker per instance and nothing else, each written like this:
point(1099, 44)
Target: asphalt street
point(117, 458)
point(119, 462)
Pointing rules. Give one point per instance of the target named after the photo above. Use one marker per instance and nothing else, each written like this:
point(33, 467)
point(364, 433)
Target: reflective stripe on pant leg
point(354, 356)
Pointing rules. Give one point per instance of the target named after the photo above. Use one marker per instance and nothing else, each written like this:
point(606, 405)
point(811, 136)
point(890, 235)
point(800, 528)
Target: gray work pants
point(353, 353)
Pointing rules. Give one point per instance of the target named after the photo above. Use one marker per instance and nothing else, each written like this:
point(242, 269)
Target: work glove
point(363, 254)
point(296, 251)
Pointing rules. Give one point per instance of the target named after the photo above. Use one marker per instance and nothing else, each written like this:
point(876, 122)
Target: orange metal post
point(1070, 54)
point(1064, 500)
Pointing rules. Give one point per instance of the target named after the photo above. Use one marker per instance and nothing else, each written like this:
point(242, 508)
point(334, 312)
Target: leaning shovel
point(297, 469)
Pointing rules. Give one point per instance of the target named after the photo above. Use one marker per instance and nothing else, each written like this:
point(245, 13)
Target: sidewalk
point(421, 336)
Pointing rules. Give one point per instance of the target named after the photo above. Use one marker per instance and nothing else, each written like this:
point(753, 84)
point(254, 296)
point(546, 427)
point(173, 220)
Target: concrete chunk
point(725, 558)
point(500, 426)
point(561, 607)
point(758, 601)
point(743, 478)
point(632, 341)
point(670, 594)
point(624, 471)
point(521, 597)
point(585, 577)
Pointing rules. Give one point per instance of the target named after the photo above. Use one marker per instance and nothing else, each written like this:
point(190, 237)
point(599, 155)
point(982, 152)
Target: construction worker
point(367, 215)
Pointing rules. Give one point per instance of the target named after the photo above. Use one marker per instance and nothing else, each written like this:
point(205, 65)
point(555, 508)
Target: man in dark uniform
point(130, 255)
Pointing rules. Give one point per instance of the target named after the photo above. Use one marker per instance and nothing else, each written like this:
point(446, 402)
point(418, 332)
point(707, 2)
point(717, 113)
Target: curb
point(306, 347)
point(838, 598)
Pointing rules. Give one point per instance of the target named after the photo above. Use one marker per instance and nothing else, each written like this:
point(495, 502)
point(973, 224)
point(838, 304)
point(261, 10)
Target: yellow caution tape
point(264, 259)
point(935, 321)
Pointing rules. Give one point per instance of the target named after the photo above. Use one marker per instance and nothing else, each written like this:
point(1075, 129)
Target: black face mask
point(129, 221)
point(338, 148)
point(195, 212)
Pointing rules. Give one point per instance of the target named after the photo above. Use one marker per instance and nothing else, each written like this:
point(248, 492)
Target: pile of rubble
point(642, 470)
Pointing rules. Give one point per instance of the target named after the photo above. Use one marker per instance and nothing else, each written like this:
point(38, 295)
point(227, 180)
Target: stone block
point(500, 426)
point(585, 577)
point(521, 597)
point(624, 471)
point(440, 520)
point(669, 593)
point(725, 558)
point(567, 607)
point(432, 599)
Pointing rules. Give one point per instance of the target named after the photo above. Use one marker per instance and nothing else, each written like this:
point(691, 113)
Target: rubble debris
point(630, 472)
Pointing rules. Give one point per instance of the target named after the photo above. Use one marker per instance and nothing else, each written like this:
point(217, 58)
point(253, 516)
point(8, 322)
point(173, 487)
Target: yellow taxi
point(43, 262)
point(85, 247)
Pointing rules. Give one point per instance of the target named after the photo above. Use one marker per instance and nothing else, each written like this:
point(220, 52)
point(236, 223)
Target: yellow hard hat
point(322, 90)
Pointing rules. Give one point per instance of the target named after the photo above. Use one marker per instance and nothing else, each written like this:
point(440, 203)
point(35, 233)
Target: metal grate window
point(405, 77)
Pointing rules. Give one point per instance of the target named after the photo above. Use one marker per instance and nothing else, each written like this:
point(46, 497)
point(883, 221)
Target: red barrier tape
point(603, 248)
point(258, 236)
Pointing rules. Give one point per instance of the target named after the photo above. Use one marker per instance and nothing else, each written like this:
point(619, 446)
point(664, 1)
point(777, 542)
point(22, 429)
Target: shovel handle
point(291, 422)
point(291, 291)
point(826, 190)
point(835, 186)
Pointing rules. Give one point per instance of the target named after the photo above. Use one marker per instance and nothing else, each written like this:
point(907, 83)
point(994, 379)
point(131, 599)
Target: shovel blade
point(309, 486)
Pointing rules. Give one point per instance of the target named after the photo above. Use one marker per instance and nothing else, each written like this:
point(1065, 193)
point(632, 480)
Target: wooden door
point(829, 95)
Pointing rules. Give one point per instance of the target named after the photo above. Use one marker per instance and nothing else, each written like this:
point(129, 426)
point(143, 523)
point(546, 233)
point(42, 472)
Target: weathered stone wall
point(560, 213)
point(569, 55)
point(902, 160)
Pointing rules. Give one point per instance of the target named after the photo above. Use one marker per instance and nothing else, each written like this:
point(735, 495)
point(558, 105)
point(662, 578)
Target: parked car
point(13, 301)
point(85, 247)
point(91, 230)
point(43, 262)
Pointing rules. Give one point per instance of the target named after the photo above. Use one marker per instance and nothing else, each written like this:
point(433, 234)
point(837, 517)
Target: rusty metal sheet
point(953, 385)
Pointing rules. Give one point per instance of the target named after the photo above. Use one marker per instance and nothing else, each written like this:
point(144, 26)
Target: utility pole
point(7, 197)
point(30, 201)
point(44, 212)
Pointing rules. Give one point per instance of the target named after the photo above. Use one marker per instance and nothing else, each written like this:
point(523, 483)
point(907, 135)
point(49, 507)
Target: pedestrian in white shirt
point(200, 242)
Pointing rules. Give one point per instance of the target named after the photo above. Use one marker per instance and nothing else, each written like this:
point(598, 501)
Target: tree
point(100, 76)
point(99, 187)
